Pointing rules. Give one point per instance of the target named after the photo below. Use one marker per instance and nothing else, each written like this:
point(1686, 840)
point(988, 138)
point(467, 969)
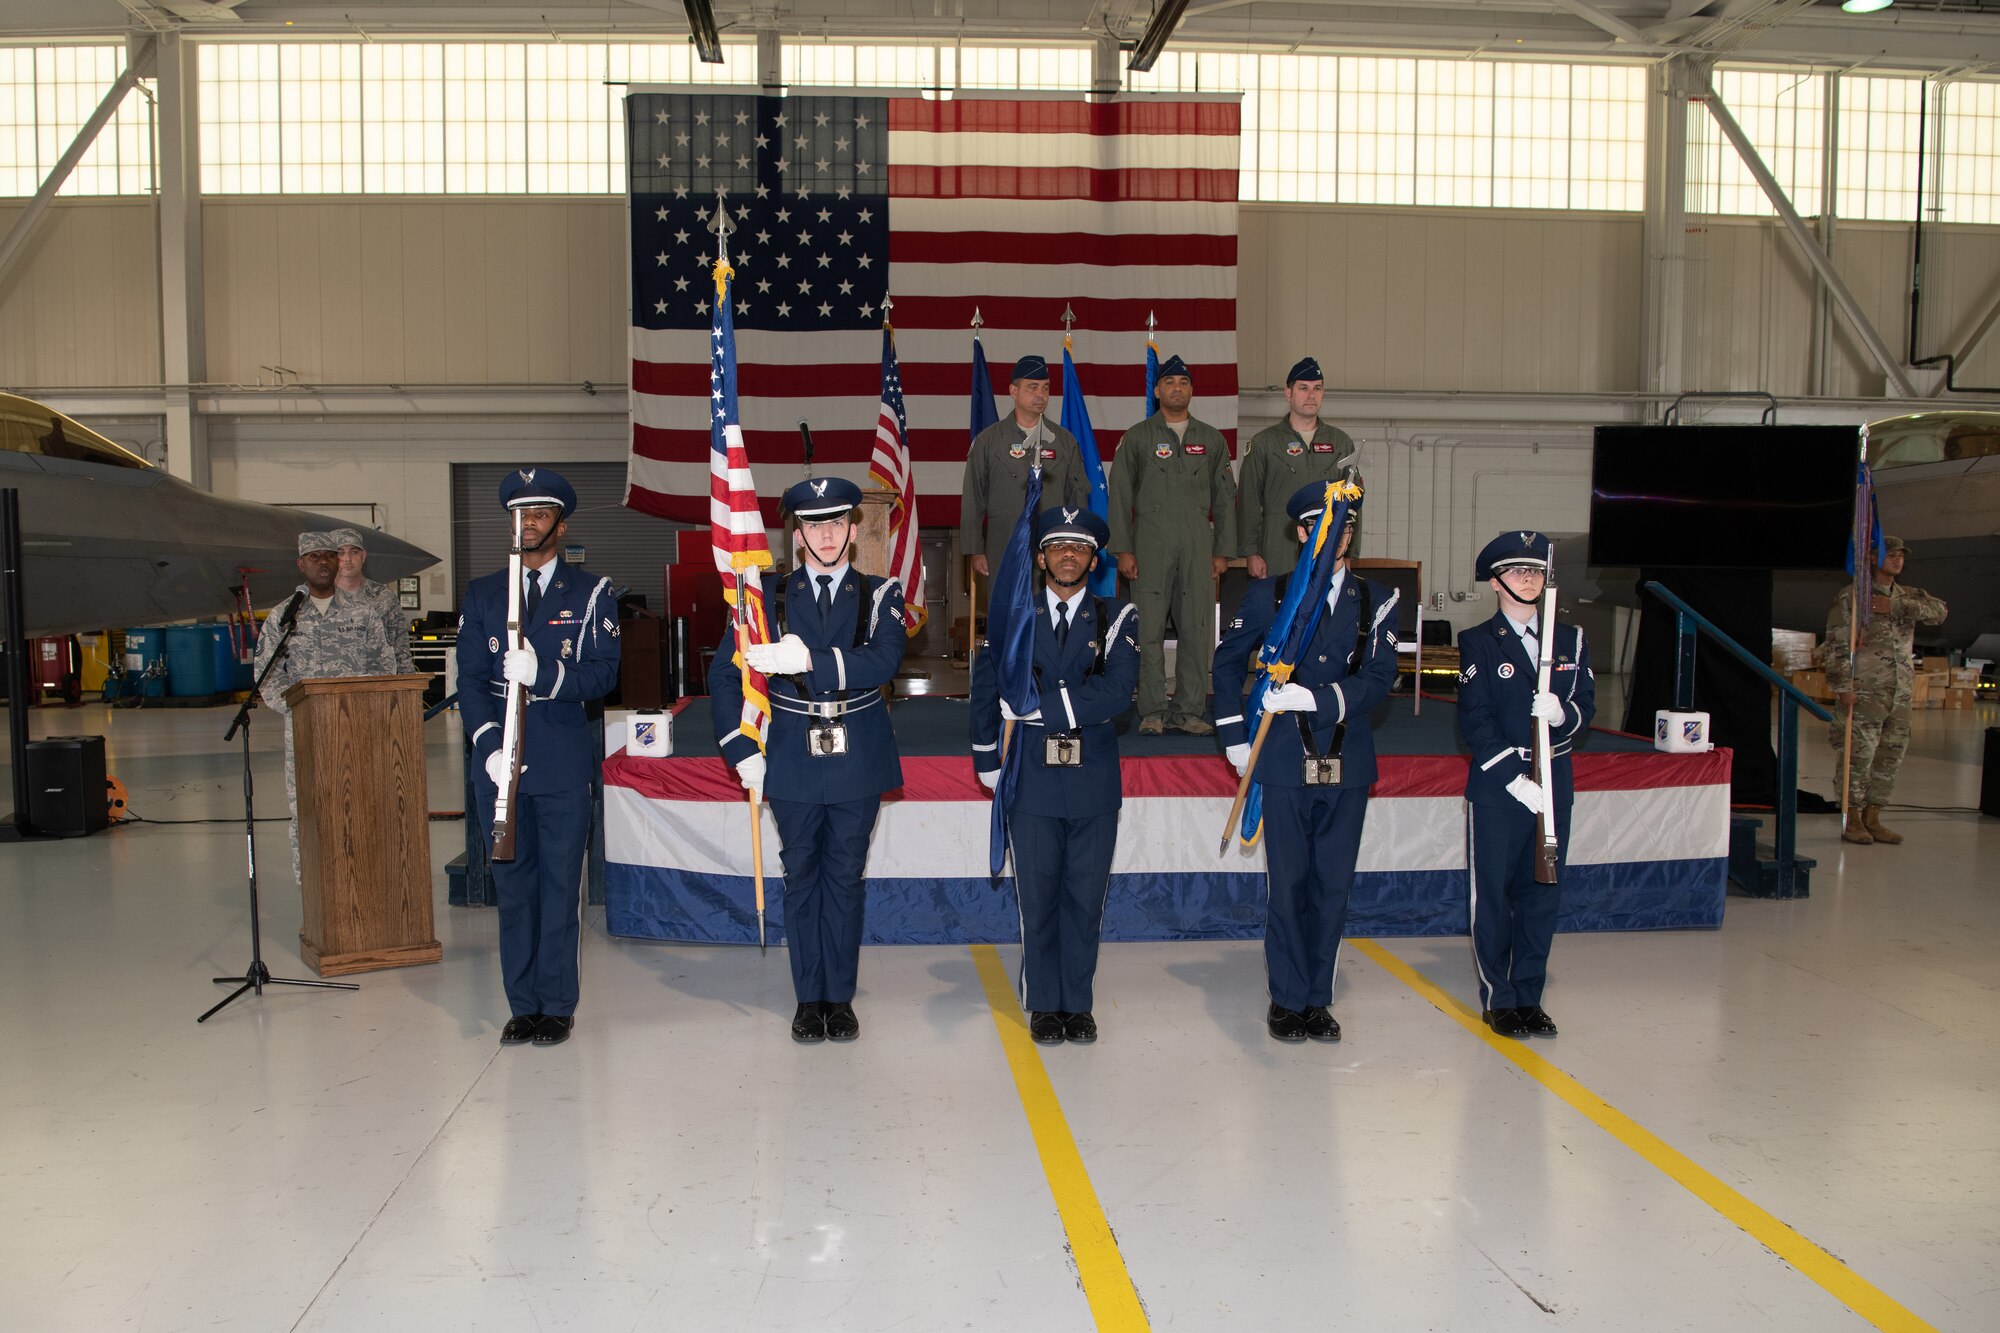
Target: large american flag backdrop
point(1015, 208)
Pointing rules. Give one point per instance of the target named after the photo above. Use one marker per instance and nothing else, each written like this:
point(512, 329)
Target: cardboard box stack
point(1931, 687)
point(1795, 655)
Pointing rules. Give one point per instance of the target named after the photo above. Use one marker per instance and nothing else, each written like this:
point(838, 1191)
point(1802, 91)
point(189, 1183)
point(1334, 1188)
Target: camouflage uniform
point(1881, 680)
point(395, 621)
point(349, 638)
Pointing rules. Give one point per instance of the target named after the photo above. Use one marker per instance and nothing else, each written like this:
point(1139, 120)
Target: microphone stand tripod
point(257, 976)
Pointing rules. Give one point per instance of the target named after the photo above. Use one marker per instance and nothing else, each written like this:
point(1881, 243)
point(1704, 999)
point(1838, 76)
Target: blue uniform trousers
point(1311, 838)
point(1513, 918)
point(825, 855)
point(1062, 872)
point(540, 897)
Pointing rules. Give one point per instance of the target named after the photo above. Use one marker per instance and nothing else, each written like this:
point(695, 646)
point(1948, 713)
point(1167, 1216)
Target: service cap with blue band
point(818, 499)
point(1173, 365)
point(1306, 369)
point(538, 488)
point(1031, 368)
point(1309, 501)
point(1065, 524)
point(1512, 550)
point(317, 541)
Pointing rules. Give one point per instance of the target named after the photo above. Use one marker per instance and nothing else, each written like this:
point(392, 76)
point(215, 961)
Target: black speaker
point(67, 795)
point(1989, 777)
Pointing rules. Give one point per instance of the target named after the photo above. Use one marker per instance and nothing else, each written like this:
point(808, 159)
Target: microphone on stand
point(290, 615)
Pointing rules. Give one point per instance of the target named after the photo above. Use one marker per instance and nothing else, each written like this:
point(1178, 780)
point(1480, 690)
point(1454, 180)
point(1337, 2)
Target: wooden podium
point(364, 823)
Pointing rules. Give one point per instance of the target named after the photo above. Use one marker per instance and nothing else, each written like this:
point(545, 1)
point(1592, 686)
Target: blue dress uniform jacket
point(1513, 917)
point(841, 669)
point(825, 805)
point(1075, 697)
point(1496, 697)
point(1064, 821)
point(575, 635)
point(1323, 669)
point(1311, 834)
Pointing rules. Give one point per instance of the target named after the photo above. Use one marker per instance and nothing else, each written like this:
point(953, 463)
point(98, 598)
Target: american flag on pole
point(1012, 206)
point(889, 468)
point(735, 521)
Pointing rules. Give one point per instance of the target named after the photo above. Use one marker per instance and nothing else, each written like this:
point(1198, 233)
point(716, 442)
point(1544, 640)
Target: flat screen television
point(1723, 497)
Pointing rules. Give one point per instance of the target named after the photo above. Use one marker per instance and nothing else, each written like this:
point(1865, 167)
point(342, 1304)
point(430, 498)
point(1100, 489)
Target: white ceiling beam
point(1611, 23)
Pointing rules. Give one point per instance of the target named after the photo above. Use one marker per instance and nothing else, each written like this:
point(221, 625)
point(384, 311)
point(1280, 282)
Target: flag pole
point(1243, 786)
point(721, 226)
point(972, 571)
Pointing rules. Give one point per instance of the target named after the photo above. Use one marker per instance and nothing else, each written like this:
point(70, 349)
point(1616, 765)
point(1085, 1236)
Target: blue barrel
point(191, 661)
point(225, 661)
point(145, 663)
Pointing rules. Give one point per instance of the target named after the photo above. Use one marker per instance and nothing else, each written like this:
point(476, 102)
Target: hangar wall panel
point(81, 304)
point(1440, 299)
point(416, 291)
point(402, 466)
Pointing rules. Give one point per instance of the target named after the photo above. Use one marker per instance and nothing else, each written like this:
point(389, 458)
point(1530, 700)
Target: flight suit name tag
point(1325, 447)
point(1064, 749)
point(1194, 450)
point(1322, 770)
point(826, 738)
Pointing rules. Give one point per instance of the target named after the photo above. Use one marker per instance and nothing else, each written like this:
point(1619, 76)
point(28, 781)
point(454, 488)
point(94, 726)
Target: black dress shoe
point(809, 1024)
point(553, 1030)
point(1080, 1028)
point(1286, 1024)
point(1046, 1027)
point(519, 1029)
point(1506, 1023)
point(1321, 1024)
point(1537, 1021)
point(841, 1024)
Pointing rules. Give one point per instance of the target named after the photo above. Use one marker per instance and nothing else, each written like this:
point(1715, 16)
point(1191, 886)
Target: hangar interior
point(342, 256)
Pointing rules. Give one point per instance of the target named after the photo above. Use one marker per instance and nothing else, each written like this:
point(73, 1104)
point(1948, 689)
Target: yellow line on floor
point(1841, 1282)
point(1114, 1304)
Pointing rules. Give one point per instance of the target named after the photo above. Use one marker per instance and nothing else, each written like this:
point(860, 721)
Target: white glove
point(789, 656)
point(990, 779)
point(520, 666)
point(1550, 709)
point(1012, 716)
point(1290, 699)
point(496, 768)
point(1529, 793)
point(751, 774)
point(1239, 758)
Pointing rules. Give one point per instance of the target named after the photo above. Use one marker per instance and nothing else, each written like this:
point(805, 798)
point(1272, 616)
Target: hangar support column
point(1663, 244)
point(183, 348)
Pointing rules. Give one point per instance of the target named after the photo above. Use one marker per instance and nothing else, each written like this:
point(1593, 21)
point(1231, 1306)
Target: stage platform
point(1649, 845)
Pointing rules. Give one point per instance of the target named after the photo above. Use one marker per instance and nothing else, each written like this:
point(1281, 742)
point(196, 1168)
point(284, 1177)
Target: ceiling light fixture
point(1165, 19)
point(1865, 6)
point(701, 31)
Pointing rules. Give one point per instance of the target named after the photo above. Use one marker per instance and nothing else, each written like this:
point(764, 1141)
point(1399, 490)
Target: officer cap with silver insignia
point(1031, 367)
point(1512, 550)
point(1305, 369)
point(817, 499)
point(1173, 365)
point(1065, 523)
point(537, 488)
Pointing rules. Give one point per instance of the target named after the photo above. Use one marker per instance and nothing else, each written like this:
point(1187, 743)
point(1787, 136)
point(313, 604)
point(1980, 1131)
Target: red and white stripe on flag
point(1017, 208)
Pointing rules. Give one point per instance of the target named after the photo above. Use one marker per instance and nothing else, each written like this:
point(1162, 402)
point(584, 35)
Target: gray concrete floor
point(372, 1160)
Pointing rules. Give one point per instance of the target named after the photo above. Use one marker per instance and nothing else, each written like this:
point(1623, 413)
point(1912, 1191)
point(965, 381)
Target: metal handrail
point(1787, 874)
point(1744, 655)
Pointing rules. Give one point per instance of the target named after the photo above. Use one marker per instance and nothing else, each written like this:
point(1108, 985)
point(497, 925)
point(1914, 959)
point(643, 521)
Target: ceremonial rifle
point(1545, 820)
point(504, 804)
